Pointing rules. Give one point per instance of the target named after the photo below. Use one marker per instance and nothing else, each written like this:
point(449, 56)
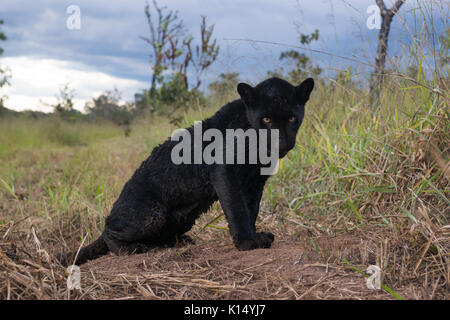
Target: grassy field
point(361, 187)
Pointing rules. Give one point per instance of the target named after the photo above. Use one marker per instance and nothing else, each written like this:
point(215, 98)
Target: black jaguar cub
point(163, 199)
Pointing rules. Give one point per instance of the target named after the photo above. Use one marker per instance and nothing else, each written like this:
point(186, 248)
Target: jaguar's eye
point(292, 119)
point(266, 120)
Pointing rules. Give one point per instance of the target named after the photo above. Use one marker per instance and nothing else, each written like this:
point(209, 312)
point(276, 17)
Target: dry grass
point(213, 269)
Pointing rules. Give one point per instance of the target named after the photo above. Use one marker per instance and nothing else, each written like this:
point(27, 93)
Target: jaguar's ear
point(247, 93)
point(303, 91)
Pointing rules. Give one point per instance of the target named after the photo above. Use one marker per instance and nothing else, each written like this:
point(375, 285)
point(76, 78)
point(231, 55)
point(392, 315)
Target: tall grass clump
point(380, 171)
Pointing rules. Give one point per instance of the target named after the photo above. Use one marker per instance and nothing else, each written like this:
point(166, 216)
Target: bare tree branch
point(380, 4)
point(384, 11)
point(206, 53)
point(171, 48)
point(396, 7)
point(168, 27)
point(377, 76)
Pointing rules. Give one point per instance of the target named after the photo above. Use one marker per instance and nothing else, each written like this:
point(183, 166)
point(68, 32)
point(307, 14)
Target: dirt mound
point(289, 270)
point(295, 267)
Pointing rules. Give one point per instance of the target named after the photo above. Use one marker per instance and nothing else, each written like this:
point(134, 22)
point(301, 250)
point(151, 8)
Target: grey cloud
point(108, 40)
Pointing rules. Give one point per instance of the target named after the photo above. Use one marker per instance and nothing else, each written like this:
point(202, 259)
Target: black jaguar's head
point(276, 104)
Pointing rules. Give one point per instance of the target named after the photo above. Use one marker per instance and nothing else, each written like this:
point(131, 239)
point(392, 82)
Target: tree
point(300, 66)
point(64, 106)
point(206, 53)
point(167, 28)
point(201, 58)
point(376, 78)
point(2, 36)
point(65, 99)
point(107, 107)
point(4, 72)
point(173, 51)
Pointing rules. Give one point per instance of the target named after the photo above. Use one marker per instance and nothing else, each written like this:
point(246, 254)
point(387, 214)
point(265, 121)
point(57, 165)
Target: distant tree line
point(4, 72)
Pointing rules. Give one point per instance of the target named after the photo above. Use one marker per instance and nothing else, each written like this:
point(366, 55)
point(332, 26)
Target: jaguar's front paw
point(259, 240)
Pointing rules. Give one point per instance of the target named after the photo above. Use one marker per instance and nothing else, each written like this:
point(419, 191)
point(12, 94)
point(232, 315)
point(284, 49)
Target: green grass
point(20, 133)
point(352, 170)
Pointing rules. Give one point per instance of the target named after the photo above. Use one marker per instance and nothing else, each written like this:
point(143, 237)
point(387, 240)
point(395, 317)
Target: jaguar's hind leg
point(134, 228)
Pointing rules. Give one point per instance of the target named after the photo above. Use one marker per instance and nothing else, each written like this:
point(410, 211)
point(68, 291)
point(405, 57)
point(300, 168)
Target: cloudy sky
point(106, 52)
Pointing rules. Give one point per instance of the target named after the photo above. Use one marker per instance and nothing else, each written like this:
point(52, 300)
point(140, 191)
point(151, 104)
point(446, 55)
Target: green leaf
point(8, 188)
point(386, 288)
point(409, 215)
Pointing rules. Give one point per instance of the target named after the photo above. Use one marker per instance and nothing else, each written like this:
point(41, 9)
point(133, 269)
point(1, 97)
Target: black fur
point(162, 200)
